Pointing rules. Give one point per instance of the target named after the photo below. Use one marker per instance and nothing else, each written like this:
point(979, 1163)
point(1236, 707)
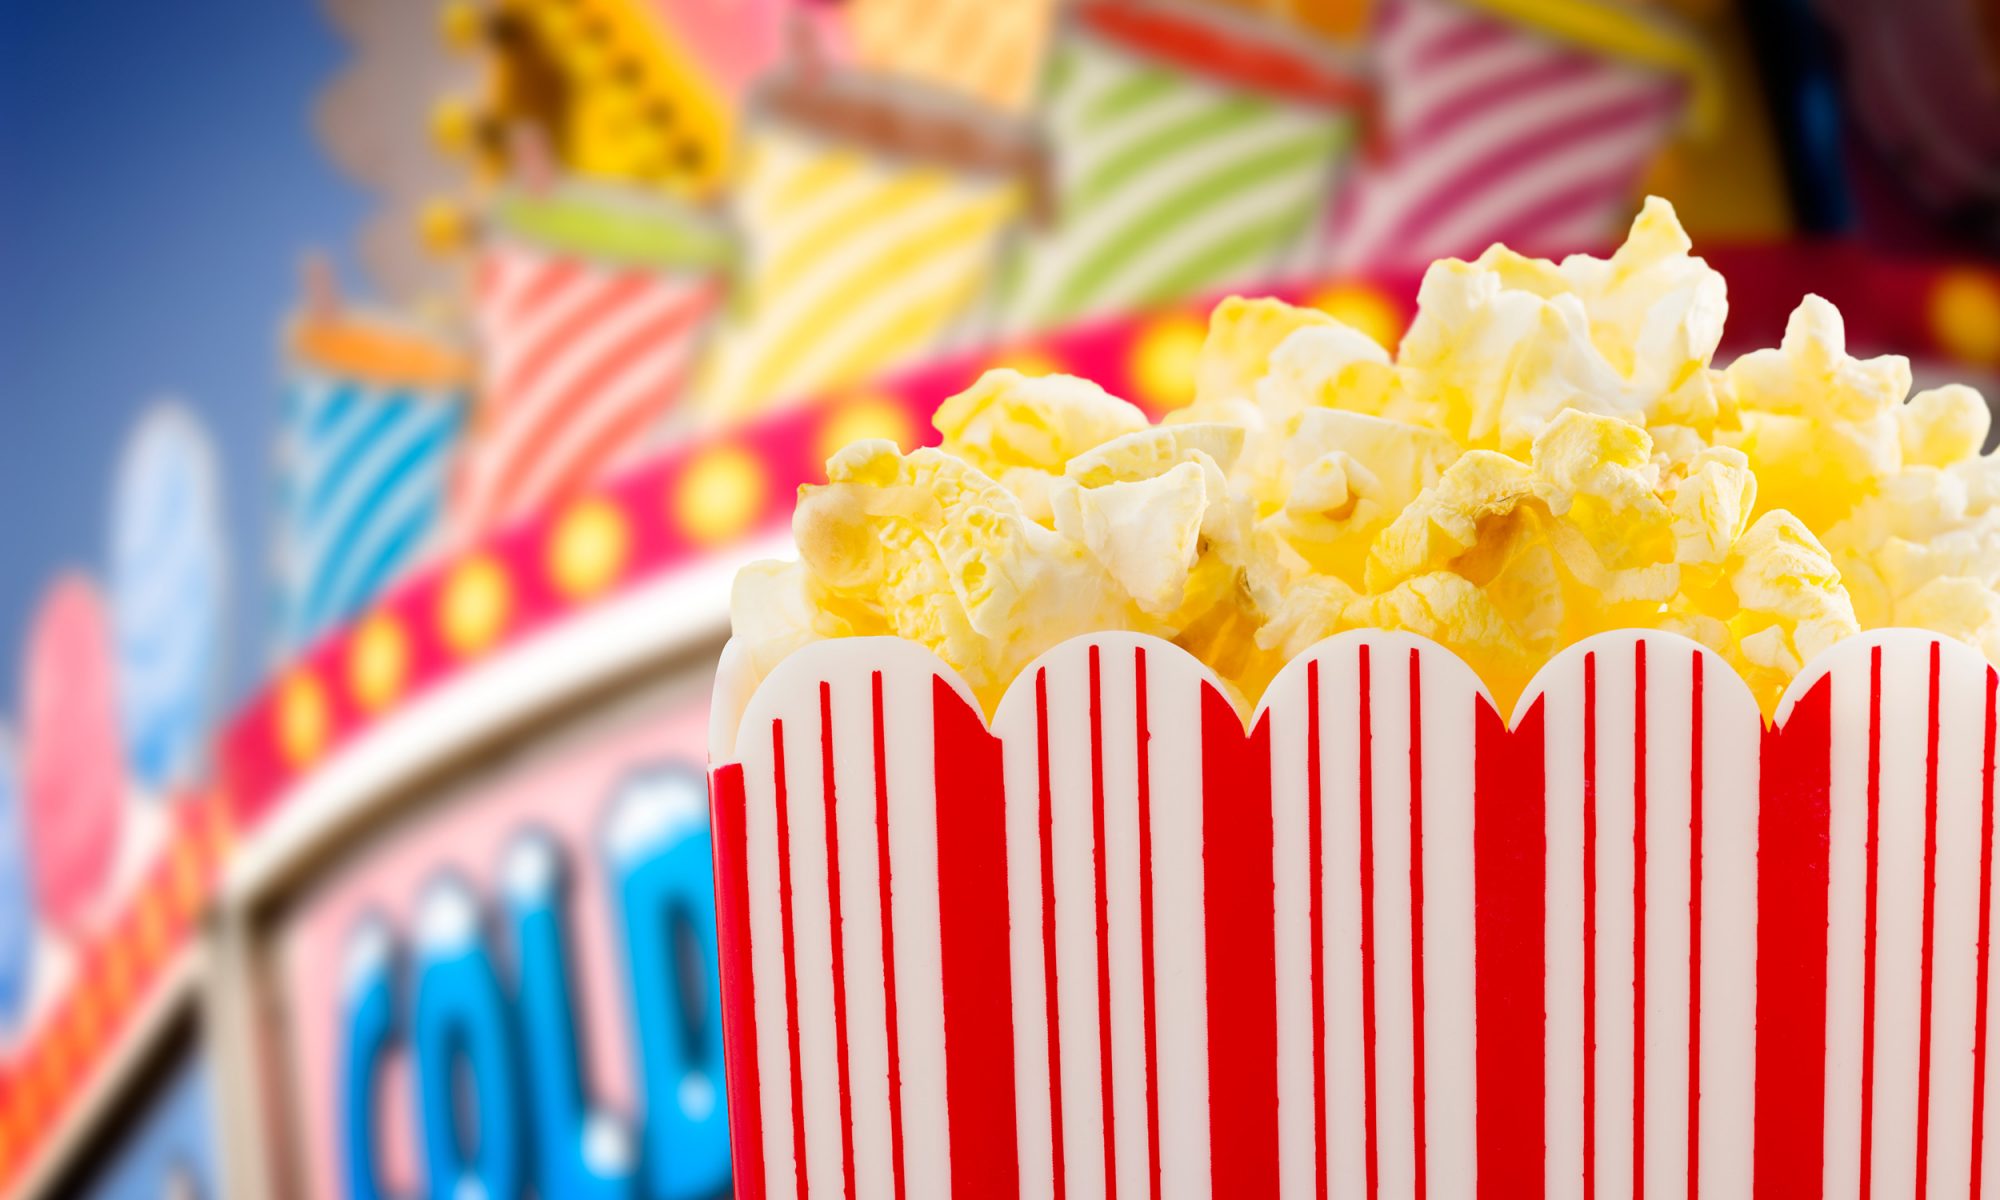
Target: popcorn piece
point(926, 547)
point(771, 614)
point(1310, 612)
point(1224, 519)
point(1656, 315)
point(1022, 431)
point(1455, 612)
point(1940, 426)
point(1145, 533)
point(1956, 606)
point(1347, 475)
point(1324, 366)
point(1790, 603)
point(1710, 498)
point(1149, 452)
point(1597, 475)
point(1914, 553)
point(1820, 428)
point(1241, 336)
point(1483, 488)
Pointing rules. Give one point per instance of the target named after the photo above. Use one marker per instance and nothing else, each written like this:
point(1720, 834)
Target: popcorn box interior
point(1372, 935)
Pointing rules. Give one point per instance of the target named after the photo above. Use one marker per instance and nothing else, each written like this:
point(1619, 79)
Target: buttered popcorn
point(1551, 454)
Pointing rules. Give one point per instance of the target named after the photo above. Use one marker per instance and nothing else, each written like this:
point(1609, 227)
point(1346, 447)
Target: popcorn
point(1551, 454)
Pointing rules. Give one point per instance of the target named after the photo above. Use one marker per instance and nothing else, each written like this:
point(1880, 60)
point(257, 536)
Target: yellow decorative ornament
point(452, 125)
point(589, 548)
point(378, 662)
point(1364, 308)
point(864, 416)
point(475, 606)
point(304, 721)
point(1027, 361)
point(152, 928)
point(118, 972)
point(184, 882)
point(720, 495)
point(443, 226)
point(1163, 359)
point(461, 24)
point(1965, 316)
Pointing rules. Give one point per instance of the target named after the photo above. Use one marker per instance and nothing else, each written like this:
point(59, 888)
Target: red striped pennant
point(584, 363)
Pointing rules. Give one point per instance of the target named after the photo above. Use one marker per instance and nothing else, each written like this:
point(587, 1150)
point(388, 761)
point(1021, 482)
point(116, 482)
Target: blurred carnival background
point(392, 386)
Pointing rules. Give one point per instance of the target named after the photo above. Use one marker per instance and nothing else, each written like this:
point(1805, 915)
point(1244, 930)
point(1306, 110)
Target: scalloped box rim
point(737, 691)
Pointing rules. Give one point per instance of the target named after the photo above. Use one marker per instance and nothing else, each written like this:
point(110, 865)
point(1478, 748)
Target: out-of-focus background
point(390, 387)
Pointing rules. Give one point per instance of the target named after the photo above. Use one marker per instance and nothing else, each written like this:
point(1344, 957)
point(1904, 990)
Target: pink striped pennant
point(1497, 132)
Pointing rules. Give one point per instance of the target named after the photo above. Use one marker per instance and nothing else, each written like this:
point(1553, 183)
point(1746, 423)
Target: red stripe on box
point(1589, 925)
point(1316, 921)
point(1868, 928)
point(1510, 842)
point(1926, 974)
point(972, 936)
point(1365, 758)
point(836, 937)
point(1144, 773)
point(1985, 940)
point(1049, 995)
point(1104, 1067)
point(727, 818)
point(1240, 943)
point(791, 956)
point(1792, 830)
point(1420, 1182)
point(1697, 728)
point(1639, 919)
point(884, 891)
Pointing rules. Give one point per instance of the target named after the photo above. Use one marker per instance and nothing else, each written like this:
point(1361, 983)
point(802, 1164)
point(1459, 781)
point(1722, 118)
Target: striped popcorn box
point(592, 307)
point(1193, 151)
point(871, 213)
point(1499, 130)
point(372, 421)
point(1383, 943)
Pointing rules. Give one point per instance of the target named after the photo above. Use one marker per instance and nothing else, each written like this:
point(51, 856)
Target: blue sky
point(158, 181)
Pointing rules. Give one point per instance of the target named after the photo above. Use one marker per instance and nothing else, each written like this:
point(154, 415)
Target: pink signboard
point(544, 935)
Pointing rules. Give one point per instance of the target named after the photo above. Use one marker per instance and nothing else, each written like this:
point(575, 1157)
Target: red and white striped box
point(1383, 943)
